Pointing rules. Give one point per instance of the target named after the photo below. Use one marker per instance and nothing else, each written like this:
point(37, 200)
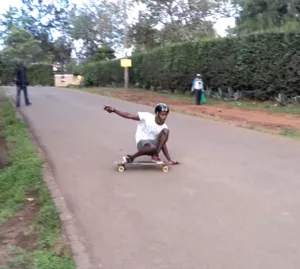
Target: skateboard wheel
point(121, 168)
point(165, 169)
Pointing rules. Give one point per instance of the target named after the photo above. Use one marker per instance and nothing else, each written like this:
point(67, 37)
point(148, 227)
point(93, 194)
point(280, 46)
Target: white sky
point(220, 26)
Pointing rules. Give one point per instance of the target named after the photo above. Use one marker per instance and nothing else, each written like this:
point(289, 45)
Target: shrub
point(40, 74)
point(37, 74)
point(260, 66)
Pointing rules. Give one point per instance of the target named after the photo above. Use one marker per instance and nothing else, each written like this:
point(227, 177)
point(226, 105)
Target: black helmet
point(161, 108)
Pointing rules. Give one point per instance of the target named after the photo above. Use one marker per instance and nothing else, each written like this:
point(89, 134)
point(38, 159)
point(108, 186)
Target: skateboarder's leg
point(144, 148)
point(149, 147)
point(162, 140)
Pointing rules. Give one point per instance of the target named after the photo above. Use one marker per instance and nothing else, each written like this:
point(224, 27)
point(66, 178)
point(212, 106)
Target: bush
point(40, 74)
point(259, 66)
point(103, 73)
point(37, 74)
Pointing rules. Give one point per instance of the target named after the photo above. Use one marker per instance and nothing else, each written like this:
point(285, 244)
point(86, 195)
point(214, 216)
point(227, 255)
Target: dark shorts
point(142, 143)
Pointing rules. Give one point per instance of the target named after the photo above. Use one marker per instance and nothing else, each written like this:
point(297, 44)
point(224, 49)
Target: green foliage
point(290, 133)
point(97, 24)
point(40, 74)
point(48, 220)
point(23, 174)
point(45, 260)
point(164, 22)
point(25, 168)
point(22, 47)
point(37, 74)
point(39, 259)
point(28, 39)
point(257, 66)
point(102, 73)
point(262, 15)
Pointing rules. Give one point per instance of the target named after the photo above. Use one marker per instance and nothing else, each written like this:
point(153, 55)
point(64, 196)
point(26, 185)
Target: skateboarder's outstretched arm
point(125, 115)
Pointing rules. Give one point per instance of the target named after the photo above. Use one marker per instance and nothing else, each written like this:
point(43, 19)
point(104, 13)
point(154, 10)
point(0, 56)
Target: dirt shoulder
point(265, 117)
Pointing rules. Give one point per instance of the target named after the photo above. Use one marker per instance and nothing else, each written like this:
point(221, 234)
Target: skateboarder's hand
point(172, 161)
point(109, 109)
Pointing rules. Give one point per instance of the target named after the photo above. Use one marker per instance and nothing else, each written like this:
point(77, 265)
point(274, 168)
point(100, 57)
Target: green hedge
point(37, 74)
point(40, 74)
point(260, 66)
point(103, 73)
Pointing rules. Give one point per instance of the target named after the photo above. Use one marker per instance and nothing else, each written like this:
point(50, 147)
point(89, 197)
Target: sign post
point(126, 63)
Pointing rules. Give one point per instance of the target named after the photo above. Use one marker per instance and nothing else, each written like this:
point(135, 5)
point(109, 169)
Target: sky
point(220, 26)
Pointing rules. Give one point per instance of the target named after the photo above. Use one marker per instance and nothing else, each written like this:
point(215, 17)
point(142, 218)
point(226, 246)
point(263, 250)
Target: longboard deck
point(141, 163)
point(164, 165)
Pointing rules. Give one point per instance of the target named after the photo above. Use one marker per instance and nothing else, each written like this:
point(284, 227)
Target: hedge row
point(37, 74)
point(40, 74)
point(260, 66)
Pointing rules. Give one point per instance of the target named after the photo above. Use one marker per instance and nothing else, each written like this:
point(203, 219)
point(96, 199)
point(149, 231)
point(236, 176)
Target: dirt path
point(233, 203)
point(274, 122)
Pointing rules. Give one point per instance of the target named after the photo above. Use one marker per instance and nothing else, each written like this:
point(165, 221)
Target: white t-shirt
point(147, 128)
point(198, 84)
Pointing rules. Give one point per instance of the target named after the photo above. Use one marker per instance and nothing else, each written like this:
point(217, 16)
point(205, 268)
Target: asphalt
point(233, 203)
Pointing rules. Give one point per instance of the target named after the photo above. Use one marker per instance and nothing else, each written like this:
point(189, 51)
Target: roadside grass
point(267, 106)
point(264, 106)
point(290, 133)
point(30, 228)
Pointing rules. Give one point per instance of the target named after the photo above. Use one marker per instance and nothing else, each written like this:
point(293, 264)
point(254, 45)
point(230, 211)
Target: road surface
point(234, 203)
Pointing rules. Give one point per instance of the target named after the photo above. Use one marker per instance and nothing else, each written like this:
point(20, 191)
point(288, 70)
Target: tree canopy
point(64, 34)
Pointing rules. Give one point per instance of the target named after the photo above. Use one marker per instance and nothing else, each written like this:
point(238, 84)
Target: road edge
point(69, 230)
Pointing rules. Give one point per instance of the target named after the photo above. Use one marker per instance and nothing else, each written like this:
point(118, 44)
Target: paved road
point(233, 203)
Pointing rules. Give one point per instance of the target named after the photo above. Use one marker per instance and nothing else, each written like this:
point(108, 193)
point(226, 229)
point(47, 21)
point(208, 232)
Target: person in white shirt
point(198, 87)
point(152, 132)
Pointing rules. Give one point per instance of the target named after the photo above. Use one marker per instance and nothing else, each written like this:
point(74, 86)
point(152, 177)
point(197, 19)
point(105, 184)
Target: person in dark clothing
point(22, 83)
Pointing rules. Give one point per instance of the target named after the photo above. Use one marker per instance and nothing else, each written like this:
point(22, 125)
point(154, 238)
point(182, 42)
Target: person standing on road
point(198, 87)
point(22, 83)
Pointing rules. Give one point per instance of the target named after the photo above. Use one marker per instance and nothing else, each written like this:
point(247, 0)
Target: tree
point(21, 47)
point(62, 53)
point(143, 34)
point(164, 22)
point(49, 17)
point(72, 67)
point(97, 24)
point(263, 15)
point(105, 53)
point(37, 17)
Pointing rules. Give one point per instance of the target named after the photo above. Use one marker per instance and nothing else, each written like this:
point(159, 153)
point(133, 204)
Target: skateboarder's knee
point(165, 132)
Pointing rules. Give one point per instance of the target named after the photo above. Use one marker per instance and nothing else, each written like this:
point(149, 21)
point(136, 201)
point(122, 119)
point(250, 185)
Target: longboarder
point(151, 135)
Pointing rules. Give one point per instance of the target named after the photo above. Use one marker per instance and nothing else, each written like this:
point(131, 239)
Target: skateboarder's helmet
point(161, 107)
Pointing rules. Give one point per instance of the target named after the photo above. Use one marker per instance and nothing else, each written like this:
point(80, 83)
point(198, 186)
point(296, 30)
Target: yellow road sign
point(126, 63)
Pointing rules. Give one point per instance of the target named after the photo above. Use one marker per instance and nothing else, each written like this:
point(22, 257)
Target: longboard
point(164, 165)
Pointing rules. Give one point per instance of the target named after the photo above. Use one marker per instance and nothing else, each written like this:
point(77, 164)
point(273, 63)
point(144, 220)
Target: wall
point(63, 80)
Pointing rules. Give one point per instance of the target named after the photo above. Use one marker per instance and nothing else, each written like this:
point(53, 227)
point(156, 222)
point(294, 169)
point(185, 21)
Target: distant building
point(64, 80)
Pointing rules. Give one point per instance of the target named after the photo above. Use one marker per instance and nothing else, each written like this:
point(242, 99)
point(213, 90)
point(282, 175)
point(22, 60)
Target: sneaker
point(127, 159)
